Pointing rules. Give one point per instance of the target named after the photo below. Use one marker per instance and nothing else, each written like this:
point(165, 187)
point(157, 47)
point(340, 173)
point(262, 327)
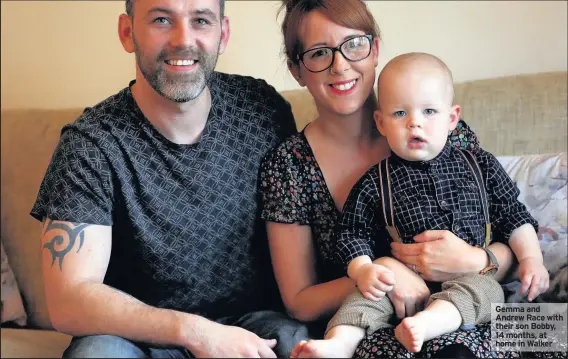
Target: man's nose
point(182, 36)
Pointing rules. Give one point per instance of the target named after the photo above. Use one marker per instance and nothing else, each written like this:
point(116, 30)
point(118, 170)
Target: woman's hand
point(410, 293)
point(439, 255)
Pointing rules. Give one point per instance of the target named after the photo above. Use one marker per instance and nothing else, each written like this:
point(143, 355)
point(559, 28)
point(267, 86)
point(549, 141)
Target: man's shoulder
point(245, 86)
point(251, 101)
point(105, 115)
point(222, 78)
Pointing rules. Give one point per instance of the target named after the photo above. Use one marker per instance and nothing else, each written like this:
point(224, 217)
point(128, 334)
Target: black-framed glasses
point(321, 58)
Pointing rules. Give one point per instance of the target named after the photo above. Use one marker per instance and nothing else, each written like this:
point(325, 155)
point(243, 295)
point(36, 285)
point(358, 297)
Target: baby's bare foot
point(329, 348)
point(410, 333)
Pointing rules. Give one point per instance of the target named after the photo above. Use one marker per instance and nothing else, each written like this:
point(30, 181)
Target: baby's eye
point(429, 112)
point(399, 114)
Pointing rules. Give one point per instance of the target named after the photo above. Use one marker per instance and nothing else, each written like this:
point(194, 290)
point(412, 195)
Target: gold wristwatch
point(493, 265)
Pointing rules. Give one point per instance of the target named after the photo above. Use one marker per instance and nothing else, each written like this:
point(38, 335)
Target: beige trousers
point(471, 294)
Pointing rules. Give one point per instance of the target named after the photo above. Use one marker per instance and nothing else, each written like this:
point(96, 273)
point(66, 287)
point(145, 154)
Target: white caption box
point(529, 327)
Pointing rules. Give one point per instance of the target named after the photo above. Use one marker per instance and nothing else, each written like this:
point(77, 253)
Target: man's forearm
point(95, 308)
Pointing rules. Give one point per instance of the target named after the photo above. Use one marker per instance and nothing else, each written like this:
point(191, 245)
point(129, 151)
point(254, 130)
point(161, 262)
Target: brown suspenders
point(386, 199)
point(386, 195)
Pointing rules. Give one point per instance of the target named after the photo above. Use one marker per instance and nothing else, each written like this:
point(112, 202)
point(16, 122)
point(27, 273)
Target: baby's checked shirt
point(440, 194)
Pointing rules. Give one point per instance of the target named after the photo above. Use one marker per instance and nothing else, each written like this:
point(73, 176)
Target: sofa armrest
point(27, 343)
point(543, 183)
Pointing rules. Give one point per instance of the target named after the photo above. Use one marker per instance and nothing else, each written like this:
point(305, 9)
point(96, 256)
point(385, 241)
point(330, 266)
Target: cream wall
point(59, 54)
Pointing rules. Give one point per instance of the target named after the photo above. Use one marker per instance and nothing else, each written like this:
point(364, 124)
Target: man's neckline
point(214, 99)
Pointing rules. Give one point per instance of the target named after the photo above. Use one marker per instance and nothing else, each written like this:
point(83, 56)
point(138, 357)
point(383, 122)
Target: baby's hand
point(534, 277)
point(374, 280)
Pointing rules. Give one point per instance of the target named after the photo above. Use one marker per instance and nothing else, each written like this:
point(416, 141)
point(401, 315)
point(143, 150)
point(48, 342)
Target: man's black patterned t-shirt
point(186, 234)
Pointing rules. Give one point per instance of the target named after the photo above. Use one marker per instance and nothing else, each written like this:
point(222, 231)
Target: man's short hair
point(129, 4)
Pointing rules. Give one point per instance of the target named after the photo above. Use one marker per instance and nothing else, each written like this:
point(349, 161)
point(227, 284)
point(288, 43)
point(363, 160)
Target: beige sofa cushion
point(11, 306)
point(515, 115)
point(28, 138)
point(19, 343)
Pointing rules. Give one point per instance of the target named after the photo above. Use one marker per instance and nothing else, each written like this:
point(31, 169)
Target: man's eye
point(429, 112)
point(399, 114)
point(202, 22)
point(161, 20)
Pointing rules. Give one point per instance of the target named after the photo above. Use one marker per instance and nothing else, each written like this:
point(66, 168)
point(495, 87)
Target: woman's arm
point(440, 256)
point(293, 260)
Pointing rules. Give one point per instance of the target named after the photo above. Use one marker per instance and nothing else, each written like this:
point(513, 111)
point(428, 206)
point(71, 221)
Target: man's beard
point(177, 86)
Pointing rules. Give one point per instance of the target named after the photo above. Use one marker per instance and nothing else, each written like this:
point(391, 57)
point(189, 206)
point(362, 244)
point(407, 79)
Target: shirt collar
point(434, 162)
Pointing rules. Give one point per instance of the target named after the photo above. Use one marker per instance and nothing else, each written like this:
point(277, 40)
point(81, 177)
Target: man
point(150, 238)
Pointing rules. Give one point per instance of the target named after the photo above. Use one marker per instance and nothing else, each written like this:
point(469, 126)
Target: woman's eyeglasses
point(321, 58)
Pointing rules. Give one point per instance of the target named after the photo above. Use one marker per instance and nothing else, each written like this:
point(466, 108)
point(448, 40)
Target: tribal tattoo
point(72, 231)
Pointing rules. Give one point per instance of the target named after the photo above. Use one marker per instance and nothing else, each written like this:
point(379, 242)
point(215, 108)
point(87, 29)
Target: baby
point(426, 184)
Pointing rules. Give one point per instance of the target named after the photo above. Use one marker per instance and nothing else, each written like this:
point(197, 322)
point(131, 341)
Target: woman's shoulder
point(463, 137)
point(293, 149)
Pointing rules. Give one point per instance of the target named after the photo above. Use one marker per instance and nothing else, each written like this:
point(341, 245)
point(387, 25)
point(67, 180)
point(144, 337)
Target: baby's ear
point(379, 121)
point(455, 112)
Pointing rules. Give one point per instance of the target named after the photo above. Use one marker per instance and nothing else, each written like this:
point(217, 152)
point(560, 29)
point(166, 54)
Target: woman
point(332, 48)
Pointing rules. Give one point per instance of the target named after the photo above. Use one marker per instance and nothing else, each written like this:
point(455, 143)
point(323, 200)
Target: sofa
point(521, 119)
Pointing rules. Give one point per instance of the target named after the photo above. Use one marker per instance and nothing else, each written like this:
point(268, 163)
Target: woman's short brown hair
point(352, 14)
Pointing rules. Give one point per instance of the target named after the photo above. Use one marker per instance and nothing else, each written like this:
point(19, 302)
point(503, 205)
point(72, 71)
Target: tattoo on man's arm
point(65, 239)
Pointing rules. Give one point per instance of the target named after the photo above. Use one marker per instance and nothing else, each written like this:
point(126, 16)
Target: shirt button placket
point(433, 173)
